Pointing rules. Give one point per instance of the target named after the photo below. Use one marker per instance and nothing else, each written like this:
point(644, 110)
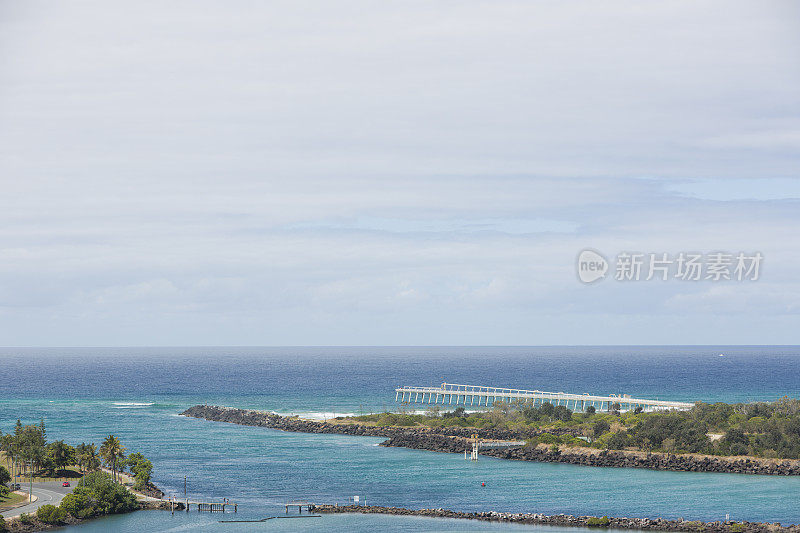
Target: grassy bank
point(11, 500)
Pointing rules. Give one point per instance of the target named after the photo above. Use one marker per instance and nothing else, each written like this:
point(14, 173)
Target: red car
point(65, 484)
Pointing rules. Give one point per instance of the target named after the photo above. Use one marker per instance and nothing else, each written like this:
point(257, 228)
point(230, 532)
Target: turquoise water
point(164, 522)
point(137, 394)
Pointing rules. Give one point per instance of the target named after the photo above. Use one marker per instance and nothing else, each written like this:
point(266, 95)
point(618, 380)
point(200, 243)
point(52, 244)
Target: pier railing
point(475, 395)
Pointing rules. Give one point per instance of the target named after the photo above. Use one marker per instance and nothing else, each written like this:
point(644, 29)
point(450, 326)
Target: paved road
point(47, 491)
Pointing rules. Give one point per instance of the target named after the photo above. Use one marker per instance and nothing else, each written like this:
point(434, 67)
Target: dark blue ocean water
point(83, 394)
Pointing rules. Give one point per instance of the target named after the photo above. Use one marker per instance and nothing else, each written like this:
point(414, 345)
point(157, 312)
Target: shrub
point(113, 498)
point(736, 528)
point(50, 514)
point(600, 427)
point(78, 503)
point(3, 524)
point(26, 519)
point(548, 438)
point(141, 468)
point(98, 495)
point(575, 441)
point(560, 412)
point(617, 441)
point(598, 522)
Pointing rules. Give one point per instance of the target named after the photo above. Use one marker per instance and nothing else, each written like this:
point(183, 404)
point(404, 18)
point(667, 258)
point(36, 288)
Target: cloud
point(769, 140)
point(401, 172)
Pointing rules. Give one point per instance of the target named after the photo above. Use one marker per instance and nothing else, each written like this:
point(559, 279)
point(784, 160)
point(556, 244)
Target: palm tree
point(80, 450)
point(86, 455)
point(113, 452)
point(92, 459)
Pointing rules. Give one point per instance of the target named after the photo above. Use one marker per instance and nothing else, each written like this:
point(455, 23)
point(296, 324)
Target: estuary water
point(137, 393)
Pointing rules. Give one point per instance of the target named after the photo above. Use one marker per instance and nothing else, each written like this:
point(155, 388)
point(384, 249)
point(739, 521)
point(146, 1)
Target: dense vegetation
point(758, 429)
point(97, 493)
point(29, 454)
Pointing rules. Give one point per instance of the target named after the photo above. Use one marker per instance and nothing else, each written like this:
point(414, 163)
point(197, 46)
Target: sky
point(395, 172)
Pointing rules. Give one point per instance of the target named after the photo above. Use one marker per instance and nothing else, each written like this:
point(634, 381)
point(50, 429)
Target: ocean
point(83, 394)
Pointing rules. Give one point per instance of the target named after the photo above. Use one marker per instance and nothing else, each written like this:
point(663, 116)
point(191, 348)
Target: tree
point(141, 468)
point(80, 451)
point(98, 495)
point(600, 427)
point(113, 452)
point(618, 440)
point(50, 514)
point(62, 454)
point(87, 458)
point(591, 410)
point(8, 446)
point(547, 409)
point(31, 445)
point(5, 477)
point(560, 412)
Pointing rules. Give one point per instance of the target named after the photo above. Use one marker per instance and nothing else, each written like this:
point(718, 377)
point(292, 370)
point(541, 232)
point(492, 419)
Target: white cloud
point(394, 172)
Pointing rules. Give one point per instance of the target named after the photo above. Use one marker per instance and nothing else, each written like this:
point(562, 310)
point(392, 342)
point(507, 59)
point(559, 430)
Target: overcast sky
point(394, 172)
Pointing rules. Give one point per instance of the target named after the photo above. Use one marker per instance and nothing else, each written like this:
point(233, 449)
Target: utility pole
point(184, 486)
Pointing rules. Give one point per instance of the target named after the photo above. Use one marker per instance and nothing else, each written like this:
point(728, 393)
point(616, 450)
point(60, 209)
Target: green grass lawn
point(68, 473)
point(7, 502)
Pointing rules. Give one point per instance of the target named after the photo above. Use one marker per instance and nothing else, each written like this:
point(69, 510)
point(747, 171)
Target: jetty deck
point(476, 395)
point(186, 504)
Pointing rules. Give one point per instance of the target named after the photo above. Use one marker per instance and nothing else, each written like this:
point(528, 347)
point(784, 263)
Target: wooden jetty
point(299, 505)
point(223, 506)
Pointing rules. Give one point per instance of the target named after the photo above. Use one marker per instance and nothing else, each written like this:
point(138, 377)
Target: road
point(47, 491)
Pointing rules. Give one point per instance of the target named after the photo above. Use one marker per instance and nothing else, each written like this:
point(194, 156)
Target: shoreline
point(455, 439)
point(145, 502)
point(642, 524)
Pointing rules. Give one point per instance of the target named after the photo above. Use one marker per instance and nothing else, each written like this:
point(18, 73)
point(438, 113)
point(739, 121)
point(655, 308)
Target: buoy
point(483, 484)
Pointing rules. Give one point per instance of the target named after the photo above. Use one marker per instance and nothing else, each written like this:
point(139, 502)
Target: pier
point(186, 504)
point(299, 505)
point(479, 396)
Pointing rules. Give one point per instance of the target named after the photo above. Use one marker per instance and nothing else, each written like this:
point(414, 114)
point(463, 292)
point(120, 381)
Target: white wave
point(131, 405)
point(443, 410)
point(316, 415)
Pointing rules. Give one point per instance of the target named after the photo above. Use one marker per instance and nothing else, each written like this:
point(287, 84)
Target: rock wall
point(654, 461)
point(657, 524)
point(248, 417)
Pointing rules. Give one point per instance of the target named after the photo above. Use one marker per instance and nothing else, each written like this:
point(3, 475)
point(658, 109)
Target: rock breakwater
point(249, 417)
point(646, 524)
point(455, 439)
